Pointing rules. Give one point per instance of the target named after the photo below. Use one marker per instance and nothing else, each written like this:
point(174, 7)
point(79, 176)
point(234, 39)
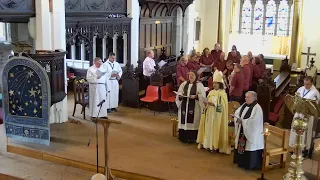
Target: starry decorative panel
point(26, 100)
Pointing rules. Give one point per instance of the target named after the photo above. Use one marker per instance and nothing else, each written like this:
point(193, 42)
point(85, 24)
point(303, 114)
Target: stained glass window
point(246, 17)
point(271, 12)
point(283, 18)
point(258, 17)
point(276, 21)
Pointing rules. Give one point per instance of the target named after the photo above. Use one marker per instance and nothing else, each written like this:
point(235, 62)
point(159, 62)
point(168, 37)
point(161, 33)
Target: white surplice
point(312, 94)
point(112, 83)
point(252, 128)
point(197, 109)
point(97, 90)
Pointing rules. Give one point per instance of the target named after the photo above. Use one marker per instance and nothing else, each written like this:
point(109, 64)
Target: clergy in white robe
point(307, 91)
point(190, 107)
point(114, 73)
point(96, 76)
point(249, 142)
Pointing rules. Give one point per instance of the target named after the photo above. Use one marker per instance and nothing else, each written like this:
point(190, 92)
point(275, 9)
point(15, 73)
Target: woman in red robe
point(193, 63)
point(234, 55)
point(182, 70)
point(262, 65)
point(216, 52)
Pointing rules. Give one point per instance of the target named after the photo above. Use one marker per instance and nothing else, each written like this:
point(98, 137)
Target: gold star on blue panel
point(25, 93)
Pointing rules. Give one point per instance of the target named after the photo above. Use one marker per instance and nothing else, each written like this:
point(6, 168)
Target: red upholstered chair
point(152, 96)
point(274, 115)
point(170, 89)
point(165, 97)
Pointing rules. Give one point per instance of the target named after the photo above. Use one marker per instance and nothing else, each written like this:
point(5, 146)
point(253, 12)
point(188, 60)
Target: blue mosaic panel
point(26, 101)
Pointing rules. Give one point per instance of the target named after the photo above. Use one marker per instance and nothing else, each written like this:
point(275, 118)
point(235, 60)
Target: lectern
point(106, 124)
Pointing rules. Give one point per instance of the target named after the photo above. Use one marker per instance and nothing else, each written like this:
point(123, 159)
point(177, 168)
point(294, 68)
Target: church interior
point(47, 48)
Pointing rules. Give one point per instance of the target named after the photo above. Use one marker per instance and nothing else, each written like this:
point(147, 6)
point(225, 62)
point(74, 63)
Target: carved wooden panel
point(94, 7)
point(16, 10)
point(155, 35)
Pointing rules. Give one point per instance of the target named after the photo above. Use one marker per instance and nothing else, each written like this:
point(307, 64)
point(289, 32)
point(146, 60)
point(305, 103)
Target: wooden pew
point(270, 91)
point(283, 135)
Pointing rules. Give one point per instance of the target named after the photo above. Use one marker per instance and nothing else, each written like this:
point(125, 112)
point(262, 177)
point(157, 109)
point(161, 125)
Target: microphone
point(100, 104)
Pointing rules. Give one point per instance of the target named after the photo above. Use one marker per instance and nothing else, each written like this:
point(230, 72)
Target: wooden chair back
point(80, 90)
point(281, 138)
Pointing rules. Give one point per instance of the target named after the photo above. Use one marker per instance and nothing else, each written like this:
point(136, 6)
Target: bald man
point(220, 64)
point(246, 70)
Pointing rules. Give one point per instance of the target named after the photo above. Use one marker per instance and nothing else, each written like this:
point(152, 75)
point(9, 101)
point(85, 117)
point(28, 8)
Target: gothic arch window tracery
point(266, 17)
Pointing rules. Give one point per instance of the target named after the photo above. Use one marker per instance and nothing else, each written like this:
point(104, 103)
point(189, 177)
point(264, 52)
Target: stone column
point(73, 51)
point(125, 48)
point(43, 26)
point(190, 35)
point(297, 12)
point(58, 111)
point(133, 9)
point(94, 47)
point(83, 51)
point(104, 47)
point(225, 13)
point(115, 38)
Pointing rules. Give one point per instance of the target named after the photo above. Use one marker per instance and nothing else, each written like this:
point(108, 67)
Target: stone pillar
point(190, 23)
point(83, 51)
point(43, 26)
point(115, 38)
point(225, 13)
point(73, 51)
point(177, 27)
point(133, 9)
point(94, 47)
point(125, 48)
point(104, 47)
point(58, 111)
point(297, 12)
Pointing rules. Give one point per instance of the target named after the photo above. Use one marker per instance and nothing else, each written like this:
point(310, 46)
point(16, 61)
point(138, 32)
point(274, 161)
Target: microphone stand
point(97, 144)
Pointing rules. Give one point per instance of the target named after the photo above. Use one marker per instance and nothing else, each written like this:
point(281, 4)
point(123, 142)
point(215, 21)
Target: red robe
point(246, 70)
point(193, 65)
point(216, 54)
point(262, 67)
point(234, 59)
point(182, 71)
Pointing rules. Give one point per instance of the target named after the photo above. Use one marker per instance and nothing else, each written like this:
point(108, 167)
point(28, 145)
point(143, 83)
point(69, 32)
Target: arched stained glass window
point(276, 22)
point(258, 17)
point(283, 18)
point(271, 12)
point(246, 17)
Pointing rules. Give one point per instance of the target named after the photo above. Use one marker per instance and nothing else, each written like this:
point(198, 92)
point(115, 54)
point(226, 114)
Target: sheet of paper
point(179, 94)
point(99, 73)
point(201, 70)
point(162, 63)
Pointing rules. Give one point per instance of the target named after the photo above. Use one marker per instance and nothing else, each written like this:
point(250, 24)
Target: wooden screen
point(155, 31)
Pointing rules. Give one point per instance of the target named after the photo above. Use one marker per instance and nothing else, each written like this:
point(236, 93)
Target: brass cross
point(308, 55)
